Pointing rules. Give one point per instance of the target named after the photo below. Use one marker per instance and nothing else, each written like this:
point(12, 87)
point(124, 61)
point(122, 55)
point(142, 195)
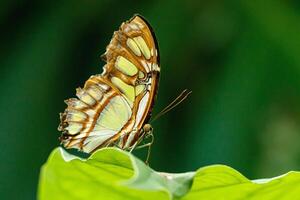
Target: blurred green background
point(241, 59)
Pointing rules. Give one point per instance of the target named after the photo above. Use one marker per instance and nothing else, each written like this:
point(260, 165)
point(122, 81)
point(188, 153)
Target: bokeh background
point(241, 59)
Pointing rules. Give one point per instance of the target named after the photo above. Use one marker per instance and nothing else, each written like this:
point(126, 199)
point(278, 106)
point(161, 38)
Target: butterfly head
point(147, 128)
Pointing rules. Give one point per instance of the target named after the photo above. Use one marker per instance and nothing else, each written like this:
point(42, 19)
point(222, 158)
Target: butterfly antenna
point(180, 98)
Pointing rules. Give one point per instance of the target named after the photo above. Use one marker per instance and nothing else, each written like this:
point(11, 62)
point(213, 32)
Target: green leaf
point(219, 181)
point(108, 174)
point(114, 174)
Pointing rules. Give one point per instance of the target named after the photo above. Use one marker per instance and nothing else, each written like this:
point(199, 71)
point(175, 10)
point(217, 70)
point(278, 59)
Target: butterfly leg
point(149, 145)
point(149, 148)
point(134, 146)
point(147, 132)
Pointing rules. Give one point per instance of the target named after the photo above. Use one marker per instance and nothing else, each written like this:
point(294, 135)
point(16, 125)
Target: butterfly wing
point(112, 107)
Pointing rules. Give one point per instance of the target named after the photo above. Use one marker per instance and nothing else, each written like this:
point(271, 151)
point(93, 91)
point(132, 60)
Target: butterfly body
point(113, 108)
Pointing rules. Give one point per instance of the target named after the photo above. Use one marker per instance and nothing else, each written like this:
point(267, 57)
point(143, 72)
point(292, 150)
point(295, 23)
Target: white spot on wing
point(145, 66)
point(155, 67)
point(140, 25)
point(134, 26)
point(141, 109)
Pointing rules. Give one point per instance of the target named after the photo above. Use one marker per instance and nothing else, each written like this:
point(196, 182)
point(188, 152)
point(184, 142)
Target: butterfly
point(113, 108)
